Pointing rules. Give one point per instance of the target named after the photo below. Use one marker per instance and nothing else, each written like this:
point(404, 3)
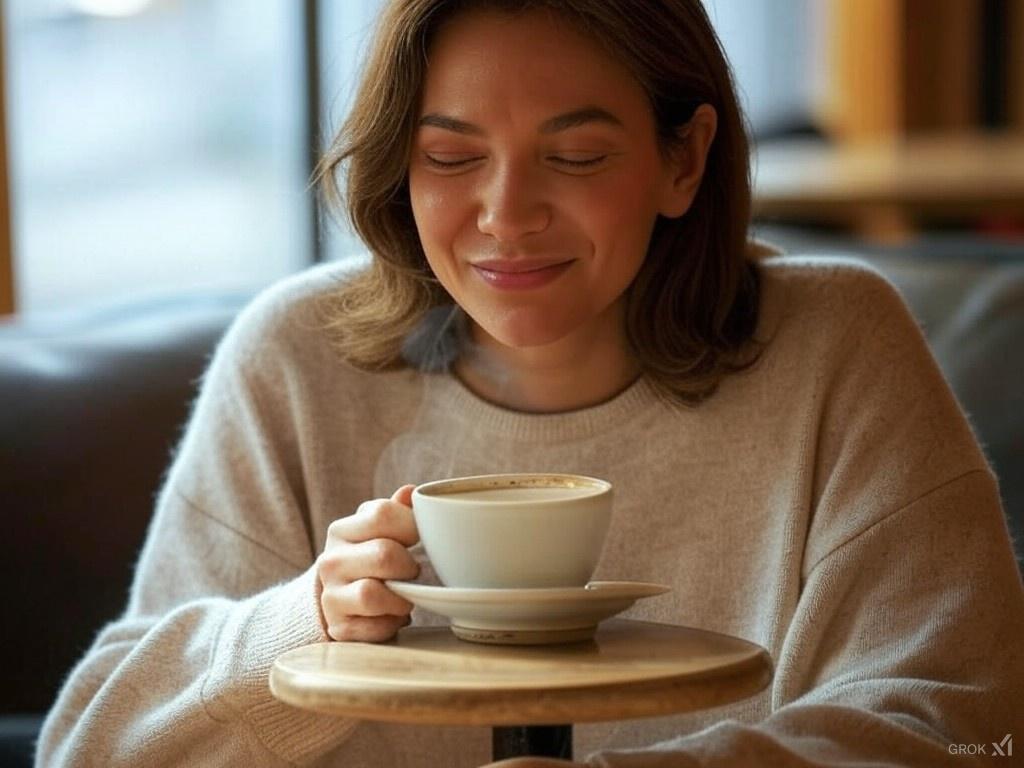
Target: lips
point(513, 274)
point(518, 265)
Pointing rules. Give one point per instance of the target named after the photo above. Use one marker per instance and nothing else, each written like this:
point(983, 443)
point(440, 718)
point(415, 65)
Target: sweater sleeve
point(895, 657)
point(224, 585)
point(904, 642)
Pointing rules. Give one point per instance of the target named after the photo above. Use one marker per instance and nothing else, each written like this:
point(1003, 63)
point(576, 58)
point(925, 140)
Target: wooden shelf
point(885, 188)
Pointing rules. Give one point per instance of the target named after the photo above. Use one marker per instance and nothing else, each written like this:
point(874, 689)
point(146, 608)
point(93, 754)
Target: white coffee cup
point(513, 531)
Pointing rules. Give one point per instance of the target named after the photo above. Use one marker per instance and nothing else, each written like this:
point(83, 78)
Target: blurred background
point(166, 145)
point(155, 158)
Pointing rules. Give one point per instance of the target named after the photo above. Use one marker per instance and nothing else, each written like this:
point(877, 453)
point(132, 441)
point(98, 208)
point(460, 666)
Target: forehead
point(487, 59)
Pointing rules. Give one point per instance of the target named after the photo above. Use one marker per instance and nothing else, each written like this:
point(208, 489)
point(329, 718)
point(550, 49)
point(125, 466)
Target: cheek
point(434, 209)
point(626, 197)
point(442, 214)
point(620, 215)
point(428, 206)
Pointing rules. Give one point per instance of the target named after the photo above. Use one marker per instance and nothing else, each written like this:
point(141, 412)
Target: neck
point(586, 368)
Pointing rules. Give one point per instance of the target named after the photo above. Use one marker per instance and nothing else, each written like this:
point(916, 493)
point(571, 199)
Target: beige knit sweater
point(831, 505)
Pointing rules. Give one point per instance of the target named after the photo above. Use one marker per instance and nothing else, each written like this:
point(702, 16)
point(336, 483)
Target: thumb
point(403, 495)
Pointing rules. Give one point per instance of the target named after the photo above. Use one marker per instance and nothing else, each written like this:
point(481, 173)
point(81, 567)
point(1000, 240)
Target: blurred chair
point(93, 404)
point(977, 336)
point(967, 293)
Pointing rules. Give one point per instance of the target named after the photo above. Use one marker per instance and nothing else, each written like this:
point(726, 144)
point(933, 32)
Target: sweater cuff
point(258, 631)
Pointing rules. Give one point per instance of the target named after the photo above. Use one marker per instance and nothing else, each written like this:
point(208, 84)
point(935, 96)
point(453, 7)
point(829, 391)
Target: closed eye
point(578, 163)
point(437, 162)
point(567, 162)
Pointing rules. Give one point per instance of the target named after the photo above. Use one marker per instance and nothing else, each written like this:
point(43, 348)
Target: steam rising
point(443, 337)
point(439, 339)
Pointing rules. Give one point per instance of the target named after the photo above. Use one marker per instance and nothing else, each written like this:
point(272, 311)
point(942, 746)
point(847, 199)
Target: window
point(771, 46)
point(155, 151)
point(345, 30)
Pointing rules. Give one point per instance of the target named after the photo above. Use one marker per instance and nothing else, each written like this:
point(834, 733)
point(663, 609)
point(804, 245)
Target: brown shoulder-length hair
point(693, 306)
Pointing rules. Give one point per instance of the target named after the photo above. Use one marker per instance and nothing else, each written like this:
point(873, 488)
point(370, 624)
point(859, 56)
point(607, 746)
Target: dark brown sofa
point(91, 405)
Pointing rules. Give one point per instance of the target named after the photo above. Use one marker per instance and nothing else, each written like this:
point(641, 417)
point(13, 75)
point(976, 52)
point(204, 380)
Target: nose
point(512, 203)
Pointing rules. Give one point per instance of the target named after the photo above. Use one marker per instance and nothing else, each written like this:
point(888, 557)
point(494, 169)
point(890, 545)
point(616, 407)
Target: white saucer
point(527, 616)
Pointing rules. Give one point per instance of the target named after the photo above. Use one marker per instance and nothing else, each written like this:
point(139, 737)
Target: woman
point(555, 199)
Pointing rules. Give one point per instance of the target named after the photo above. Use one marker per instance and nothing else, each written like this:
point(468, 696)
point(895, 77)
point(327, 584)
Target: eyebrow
point(554, 124)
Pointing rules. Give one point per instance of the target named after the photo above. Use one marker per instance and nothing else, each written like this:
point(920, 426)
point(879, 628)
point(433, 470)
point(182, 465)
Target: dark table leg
point(535, 740)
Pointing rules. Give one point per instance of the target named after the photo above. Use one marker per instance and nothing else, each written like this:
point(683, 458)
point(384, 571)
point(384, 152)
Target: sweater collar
point(452, 398)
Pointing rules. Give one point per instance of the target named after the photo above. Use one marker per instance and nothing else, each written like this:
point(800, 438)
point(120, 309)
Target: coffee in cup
point(514, 531)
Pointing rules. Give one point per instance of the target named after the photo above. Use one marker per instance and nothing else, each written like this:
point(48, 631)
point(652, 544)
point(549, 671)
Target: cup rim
point(449, 488)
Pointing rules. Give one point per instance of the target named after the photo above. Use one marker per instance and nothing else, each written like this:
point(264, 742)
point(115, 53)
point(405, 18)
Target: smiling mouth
point(514, 275)
point(517, 266)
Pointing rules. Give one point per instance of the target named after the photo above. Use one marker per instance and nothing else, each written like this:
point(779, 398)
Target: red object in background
point(1002, 227)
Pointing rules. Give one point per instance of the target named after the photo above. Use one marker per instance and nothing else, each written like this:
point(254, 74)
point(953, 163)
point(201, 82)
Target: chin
point(520, 332)
point(520, 340)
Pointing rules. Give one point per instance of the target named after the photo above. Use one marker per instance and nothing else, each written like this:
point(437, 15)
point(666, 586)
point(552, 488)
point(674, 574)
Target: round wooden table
point(530, 695)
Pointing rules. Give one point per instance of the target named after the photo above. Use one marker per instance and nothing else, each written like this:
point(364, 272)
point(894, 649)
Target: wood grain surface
point(631, 669)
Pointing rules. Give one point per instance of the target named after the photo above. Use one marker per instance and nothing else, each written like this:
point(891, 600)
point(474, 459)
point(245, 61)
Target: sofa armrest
point(93, 406)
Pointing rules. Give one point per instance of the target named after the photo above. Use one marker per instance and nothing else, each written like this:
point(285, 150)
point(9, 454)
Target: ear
point(687, 160)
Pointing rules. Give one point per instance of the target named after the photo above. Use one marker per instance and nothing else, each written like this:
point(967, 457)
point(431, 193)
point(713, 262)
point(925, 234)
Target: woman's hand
point(362, 551)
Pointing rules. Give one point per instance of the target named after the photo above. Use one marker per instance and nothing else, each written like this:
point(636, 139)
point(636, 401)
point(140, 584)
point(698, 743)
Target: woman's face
point(535, 177)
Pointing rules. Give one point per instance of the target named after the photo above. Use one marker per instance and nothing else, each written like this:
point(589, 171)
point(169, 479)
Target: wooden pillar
point(941, 65)
point(6, 252)
point(863, 90)
point(900, 67)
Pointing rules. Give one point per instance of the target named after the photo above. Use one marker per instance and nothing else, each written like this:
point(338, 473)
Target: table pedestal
point(537, 740)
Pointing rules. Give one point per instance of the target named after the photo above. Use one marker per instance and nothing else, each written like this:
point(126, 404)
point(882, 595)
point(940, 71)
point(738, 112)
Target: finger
point(365, 597)
point(378, 559)
point(367, 629)
point(403, 495)
point(378, 519)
